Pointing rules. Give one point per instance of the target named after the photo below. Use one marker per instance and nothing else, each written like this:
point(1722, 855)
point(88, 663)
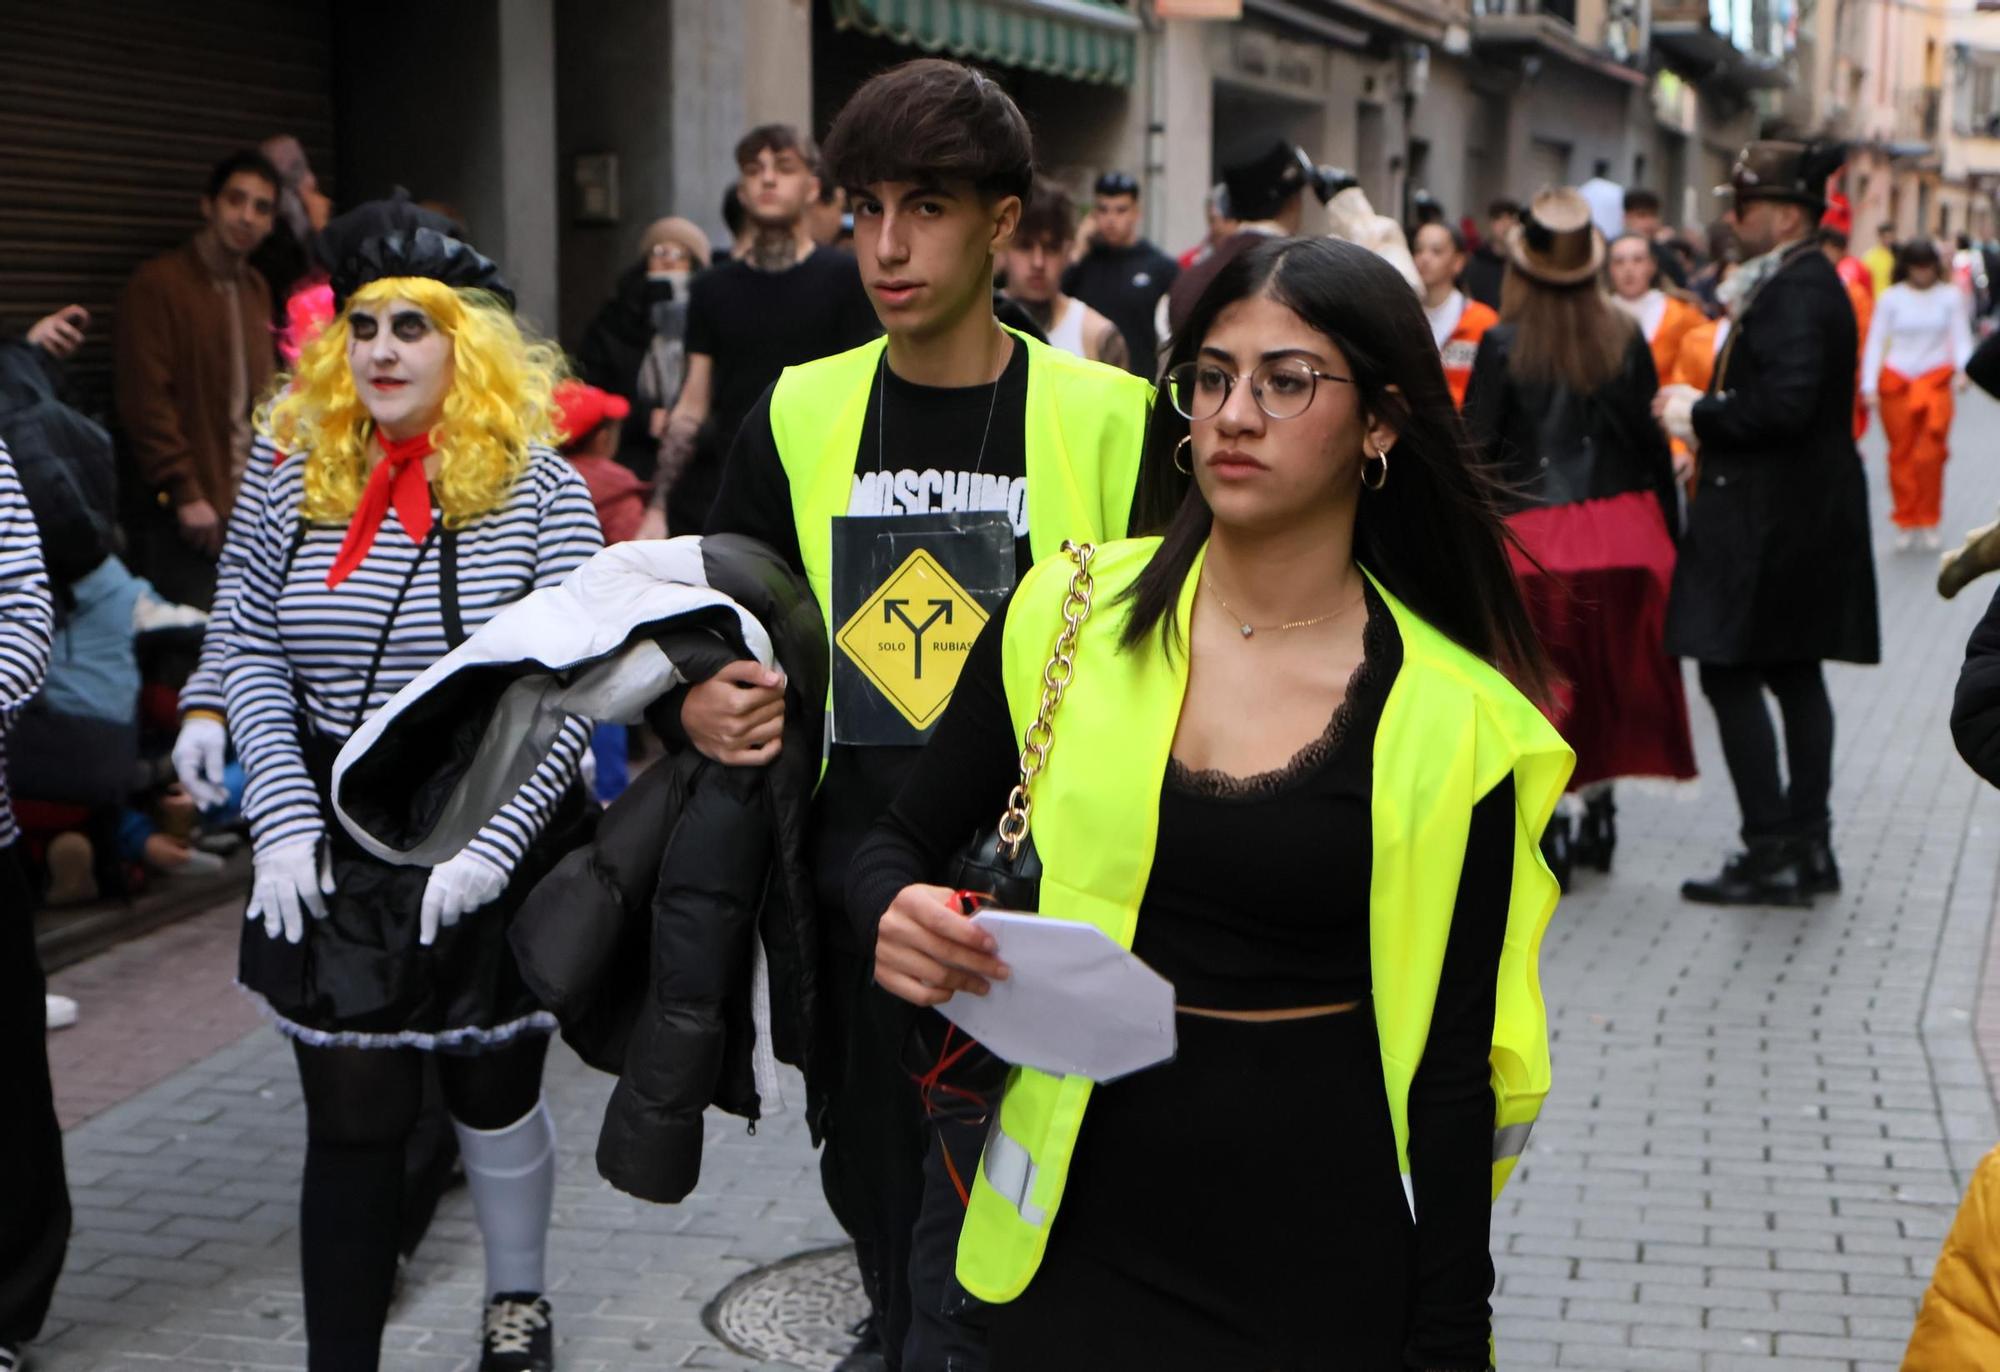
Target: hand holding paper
point(1075, 1003)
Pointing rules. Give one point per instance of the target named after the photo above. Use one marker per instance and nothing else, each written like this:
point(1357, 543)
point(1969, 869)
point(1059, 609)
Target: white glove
point(1677, 412)
point(199, 754)
point(289, 880)
point(457, 887)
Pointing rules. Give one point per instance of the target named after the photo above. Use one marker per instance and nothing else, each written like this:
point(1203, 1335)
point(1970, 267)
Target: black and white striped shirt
point(26, 619)
point(295, 645)
point(203, 690)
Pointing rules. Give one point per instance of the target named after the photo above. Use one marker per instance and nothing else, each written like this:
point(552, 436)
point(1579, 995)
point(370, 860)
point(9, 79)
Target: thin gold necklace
point(1247, 628)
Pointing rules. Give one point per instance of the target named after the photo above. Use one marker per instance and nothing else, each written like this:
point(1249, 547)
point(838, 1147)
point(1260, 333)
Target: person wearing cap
point(1119, 273)
point(1268, 197)
point(1560, 405)
point(636, 346)
point(416, 495)
point(1221, 221)
point(1919, 343)
point(1776, 575)
point(588, 423)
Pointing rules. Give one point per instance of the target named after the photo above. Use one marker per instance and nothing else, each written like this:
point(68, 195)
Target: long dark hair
point(1434, 534)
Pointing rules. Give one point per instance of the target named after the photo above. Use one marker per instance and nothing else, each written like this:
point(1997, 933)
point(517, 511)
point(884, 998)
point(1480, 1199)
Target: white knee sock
point(512, 1174)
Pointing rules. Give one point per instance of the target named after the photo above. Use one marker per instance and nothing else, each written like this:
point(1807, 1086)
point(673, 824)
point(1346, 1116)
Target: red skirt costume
point(1598, 599)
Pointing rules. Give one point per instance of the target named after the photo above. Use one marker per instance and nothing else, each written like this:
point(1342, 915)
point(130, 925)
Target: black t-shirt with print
point(920, 452)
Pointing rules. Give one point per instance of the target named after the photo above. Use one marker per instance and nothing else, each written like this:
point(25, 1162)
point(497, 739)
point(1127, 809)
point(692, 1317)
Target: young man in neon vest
point(912, 481)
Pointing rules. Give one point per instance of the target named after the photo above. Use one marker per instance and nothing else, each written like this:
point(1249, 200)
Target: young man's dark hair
point(1502, 205)
point(931, 120)
point(1048, 216)
point(1833, 238)
point(242, 160)
point(1641, 201)
point(1117, 183)
point(773, 138)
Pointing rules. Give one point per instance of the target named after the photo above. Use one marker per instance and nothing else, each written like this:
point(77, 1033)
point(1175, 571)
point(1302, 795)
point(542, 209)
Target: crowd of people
point(1449, 501)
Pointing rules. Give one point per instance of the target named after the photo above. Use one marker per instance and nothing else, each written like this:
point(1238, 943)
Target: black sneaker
point(1767, 874)
point(867, 1354)
point(1558, 849)
point(520, 1336)
point(1819, 874)
point(1597, 837)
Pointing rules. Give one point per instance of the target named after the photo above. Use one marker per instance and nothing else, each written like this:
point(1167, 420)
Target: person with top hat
point(1834, 228)
point(1663, 314)
point(1267, 196)
point(1457, 324)
point(1776, 575)
point(1560, 404)
point(415, 496)
point(975, 450)
point(1919, 343)
point(1119, 273)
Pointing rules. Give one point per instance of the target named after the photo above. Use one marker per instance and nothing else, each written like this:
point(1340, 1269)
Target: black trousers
point(947, 1323)
point(1771, 808)
point(34, 1193)
point(871, 1164)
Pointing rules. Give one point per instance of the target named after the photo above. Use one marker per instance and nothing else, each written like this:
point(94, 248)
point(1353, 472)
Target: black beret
point(395, 237)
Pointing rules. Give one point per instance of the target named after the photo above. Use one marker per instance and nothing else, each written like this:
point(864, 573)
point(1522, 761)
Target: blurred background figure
point(1120, 274)
point(1486, 265)
point(636, 347)
point(1663, 317)
point(1034, 260)
point(1561, 403)
point(1457, 324)
point(1919, 342)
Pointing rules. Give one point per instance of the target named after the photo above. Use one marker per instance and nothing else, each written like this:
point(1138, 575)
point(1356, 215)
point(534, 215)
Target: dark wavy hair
point(1434, 535)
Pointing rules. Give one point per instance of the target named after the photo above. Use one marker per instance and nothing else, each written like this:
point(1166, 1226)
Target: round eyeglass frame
point(1259, 377)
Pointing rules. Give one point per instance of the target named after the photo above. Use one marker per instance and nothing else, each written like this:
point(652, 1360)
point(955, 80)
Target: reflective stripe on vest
point(1451, 729)
point(1085, 425)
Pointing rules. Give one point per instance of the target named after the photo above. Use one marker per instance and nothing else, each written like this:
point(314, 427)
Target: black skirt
point(360, 978)
point(1239, 1208)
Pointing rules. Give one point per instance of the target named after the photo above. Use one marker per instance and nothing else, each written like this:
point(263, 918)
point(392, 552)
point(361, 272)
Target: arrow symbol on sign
point(892, 610)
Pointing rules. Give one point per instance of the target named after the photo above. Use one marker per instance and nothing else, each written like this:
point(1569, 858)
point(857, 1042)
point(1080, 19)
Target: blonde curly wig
point(499, 404)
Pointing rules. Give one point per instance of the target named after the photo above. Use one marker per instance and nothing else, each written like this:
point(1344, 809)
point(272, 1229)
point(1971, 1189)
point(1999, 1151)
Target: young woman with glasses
point(1290, 773)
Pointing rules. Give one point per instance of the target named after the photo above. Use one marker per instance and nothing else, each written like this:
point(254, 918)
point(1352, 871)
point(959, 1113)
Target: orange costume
point(1860, 283)
point(1462, 345)
point(1695, 364)
point(1918, 342)
point(1675, 324)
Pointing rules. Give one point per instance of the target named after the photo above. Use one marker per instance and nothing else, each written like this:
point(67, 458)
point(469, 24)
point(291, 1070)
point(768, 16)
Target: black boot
point(1768, 874)
point(1819, 874)
point(1558, 849)
point(867, 1354)
point(1597, 837)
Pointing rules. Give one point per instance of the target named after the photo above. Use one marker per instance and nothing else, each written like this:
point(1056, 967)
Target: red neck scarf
point(398, 479)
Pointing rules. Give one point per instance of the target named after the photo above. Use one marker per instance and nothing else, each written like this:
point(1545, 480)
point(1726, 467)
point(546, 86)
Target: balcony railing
point(1564, 10)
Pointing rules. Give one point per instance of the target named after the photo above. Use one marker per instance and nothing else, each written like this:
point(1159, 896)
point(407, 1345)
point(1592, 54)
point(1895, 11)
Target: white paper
point(1077, 1004)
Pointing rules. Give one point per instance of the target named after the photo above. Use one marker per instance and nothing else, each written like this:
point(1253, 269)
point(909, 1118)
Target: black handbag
point(956, 1076)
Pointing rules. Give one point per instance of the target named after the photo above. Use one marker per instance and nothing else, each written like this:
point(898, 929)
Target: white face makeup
point(402, 365)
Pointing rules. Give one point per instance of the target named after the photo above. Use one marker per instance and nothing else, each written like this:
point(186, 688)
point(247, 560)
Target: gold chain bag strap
point(956, 1077)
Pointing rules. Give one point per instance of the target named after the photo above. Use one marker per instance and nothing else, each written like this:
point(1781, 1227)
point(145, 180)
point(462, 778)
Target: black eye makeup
point(410, 325)
point(361, 326)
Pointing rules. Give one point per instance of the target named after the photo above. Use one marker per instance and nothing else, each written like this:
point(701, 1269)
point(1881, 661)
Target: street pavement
point(1761, 1124)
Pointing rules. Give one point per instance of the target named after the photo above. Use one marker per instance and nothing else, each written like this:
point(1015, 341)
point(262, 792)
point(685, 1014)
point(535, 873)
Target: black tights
point(361, 1104)
point(1771, 810)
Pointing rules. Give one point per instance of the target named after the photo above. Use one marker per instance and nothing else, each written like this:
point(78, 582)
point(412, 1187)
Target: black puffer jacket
point(643, 943)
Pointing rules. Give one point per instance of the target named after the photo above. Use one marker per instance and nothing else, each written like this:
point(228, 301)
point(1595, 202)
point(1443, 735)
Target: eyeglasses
point(1282, 387)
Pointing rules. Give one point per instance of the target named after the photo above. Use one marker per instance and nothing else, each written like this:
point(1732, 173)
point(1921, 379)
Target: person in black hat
point(1775, 573)
point(1268, 196)
point(1121, 275)
point(411, 493)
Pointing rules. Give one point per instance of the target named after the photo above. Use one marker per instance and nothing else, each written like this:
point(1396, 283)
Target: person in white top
point(1918, 345)
point(1634, 275)
point(1034, 262)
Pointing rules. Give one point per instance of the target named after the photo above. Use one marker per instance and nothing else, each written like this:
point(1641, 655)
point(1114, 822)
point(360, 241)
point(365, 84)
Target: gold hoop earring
point(1381, 457)
point(1178, 449)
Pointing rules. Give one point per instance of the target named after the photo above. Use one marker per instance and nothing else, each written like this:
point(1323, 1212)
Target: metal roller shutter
point(111, 114)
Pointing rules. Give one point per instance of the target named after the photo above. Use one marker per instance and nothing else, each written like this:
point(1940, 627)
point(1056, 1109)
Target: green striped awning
point(1084, 40)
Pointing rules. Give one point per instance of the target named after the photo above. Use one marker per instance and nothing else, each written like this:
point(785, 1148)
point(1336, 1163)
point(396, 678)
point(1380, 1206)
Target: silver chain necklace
point(882, 412)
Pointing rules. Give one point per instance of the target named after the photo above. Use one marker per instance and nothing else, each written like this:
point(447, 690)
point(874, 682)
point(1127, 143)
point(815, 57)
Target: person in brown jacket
point(194, 356)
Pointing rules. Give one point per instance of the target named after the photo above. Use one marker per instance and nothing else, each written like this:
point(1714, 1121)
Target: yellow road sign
point(911, 636)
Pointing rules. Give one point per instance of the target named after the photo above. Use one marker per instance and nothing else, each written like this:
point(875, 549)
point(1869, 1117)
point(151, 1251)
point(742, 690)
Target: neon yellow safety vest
point(1086, 423)
point(1451, 729)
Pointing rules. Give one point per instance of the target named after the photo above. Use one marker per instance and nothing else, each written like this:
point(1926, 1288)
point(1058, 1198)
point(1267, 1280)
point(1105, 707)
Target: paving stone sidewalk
point(1761, 1124)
